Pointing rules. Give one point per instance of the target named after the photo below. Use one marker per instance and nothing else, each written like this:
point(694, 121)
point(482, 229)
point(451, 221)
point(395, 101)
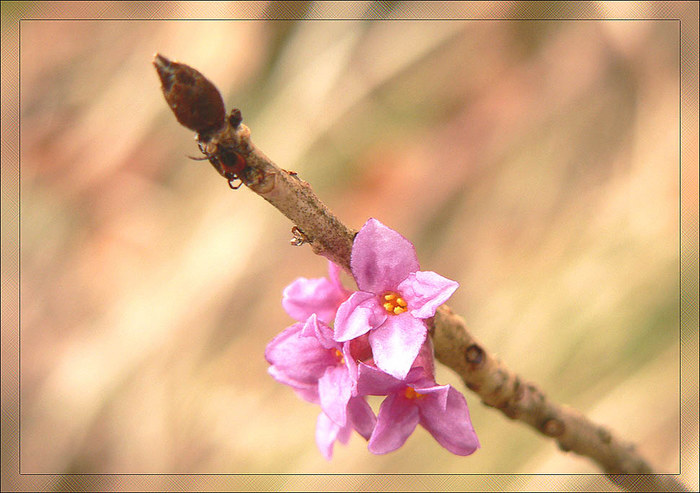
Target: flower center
point(394, 303)
point(339, 356)
point(411, 393)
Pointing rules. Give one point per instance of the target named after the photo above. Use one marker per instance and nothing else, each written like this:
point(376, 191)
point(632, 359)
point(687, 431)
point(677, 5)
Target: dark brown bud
point(196, 102)
point(235, 118)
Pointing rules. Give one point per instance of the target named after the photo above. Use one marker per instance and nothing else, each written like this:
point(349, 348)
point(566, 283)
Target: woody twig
point(226, 142)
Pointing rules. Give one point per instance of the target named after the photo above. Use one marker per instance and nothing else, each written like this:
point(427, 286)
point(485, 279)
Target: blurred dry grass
point(534, 162)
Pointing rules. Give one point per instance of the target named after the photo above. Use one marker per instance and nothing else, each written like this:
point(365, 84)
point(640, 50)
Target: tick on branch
point(227, 162)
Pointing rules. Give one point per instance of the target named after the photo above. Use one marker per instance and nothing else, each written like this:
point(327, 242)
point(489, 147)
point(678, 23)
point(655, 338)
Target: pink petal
point(425, 291)
point(381, 258)
point(282, 377)
point(357, 315)
point(350, 362)
point(426, 359)
point(306, 296)
point(298, 360)
point(450, 425)
point(396, 421)
point(334, 271)
point(396, 343)
point(434, 395)
point(308, 392)
point(344, 434)
point(327, 432)
point(335, 389)
point(313, 327)
point(373, 381)
point(361, 416)
point(419, 378)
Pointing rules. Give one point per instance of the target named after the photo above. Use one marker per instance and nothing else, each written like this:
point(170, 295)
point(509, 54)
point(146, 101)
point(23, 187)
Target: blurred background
point(537, 163)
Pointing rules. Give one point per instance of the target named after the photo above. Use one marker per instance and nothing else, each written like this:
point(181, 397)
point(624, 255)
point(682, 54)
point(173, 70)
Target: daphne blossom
point(417, 399)
point(306, 357)
point(394, 298)
point(321, 296)
point(378, 345)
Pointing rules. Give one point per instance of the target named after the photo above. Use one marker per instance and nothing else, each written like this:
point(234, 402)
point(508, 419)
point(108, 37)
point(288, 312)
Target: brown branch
point(455, 347)
point(294, 198)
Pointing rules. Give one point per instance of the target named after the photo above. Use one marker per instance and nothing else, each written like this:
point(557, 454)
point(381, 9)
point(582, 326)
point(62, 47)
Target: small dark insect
point(198, 105)
point(228, 163)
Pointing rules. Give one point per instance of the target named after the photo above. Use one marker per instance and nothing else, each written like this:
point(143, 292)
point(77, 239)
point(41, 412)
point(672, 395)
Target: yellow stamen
point(393, 303)
point(411, 393)
point(339, 356)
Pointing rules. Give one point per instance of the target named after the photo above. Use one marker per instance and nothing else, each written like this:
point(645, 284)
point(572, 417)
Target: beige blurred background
point(537, 163)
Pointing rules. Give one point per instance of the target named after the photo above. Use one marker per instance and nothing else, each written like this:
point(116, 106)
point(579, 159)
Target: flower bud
point(196, 102)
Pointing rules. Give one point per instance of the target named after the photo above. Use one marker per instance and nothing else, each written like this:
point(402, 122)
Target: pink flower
point(440, 409)
point(378, 346)
point(321, 296)
point(321, 370)
point(393, 300)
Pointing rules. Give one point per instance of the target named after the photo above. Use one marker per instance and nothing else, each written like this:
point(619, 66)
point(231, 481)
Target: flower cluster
point(348, 345)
